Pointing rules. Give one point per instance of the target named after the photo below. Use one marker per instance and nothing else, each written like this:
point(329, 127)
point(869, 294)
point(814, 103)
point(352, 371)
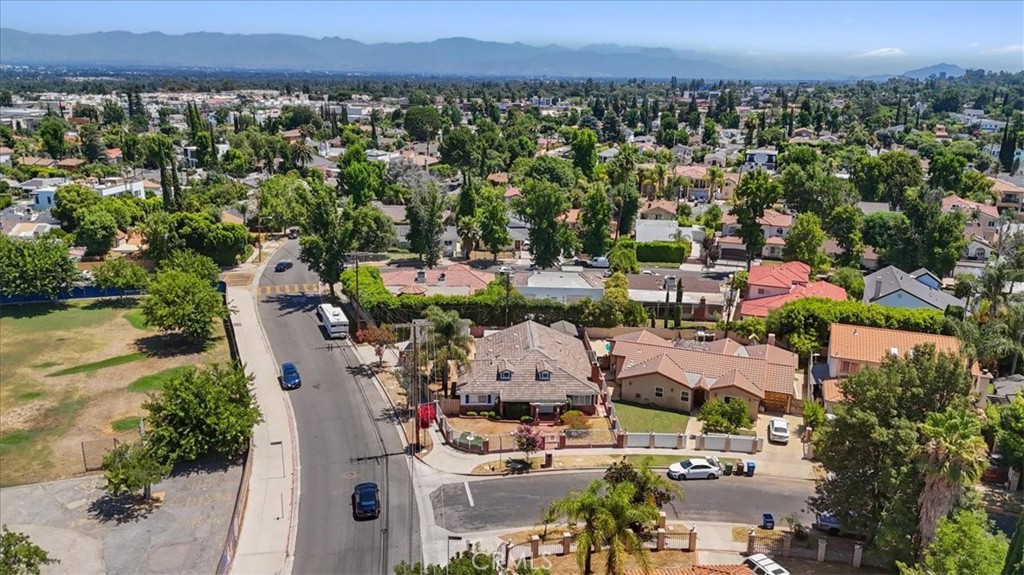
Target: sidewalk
point(267, 539)
point(445, 458)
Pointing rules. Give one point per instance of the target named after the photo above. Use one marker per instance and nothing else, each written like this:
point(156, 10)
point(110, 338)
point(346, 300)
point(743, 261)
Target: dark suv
point(283, 265)
point(366, 501)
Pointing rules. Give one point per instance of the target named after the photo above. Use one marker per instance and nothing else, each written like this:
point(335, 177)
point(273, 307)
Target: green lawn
point(109, 362)
point(125, 424)
point(156, 381)
point(642, 418)
point(136, 318)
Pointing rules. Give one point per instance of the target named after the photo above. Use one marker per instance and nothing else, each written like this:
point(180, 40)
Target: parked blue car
point(290, 378)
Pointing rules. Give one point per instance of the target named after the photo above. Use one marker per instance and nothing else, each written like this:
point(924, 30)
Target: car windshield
point(687, 464)
point(780, 426)
point(367, 495)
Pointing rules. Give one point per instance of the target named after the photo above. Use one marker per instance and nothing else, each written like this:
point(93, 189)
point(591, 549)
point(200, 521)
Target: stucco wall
point(641, 390)
point(738, 395)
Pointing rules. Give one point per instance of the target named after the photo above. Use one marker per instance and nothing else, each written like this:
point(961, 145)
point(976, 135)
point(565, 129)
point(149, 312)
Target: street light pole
point(449, 559)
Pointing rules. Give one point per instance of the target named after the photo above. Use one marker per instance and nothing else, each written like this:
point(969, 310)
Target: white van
point(333, 320)
point(761, 564)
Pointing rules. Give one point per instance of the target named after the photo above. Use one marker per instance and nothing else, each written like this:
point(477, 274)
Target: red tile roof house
point(456, 279)
point(775, 225)
point(987, 216)
point(650, 370)
point(771, 287)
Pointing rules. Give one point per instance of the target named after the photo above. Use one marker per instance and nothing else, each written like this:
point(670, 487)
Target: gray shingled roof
point(893, 279)
point(525, 350)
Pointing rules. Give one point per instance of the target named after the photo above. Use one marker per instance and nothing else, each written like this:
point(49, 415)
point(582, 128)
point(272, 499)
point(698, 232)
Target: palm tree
point(951, 458)
point(993, 285)
point(985, 343)
point(585, 507)
point(301, 153)
point(619, 514)
point(716, 180)
point(660, 174)
point(450, 340)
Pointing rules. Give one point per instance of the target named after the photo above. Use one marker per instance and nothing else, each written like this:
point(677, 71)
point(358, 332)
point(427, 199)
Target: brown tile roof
point(832, 390)
point(571, 217)
point(657, 205)
point(521, 349)
point(739, 381)
point(1002, 186)
point(784, 276)
point(871, 344)
point(761, 306)
point(642, 336)
point(6, 150)
point(459, 275)
point(34, 161)
point(771, 218)
point(661, 365)
point(695, 173)
point(498, 178)
point(113, 153)
point(765, 374)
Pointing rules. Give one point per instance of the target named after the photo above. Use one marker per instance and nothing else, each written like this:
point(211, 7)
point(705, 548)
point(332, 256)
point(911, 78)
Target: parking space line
point(469, 494)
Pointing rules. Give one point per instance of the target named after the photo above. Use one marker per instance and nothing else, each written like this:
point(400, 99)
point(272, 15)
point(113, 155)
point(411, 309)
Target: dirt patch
point(553, 535)
point(62, 412)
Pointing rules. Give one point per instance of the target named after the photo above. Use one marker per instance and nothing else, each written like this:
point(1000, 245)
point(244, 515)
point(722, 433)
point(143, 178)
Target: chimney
point(878, 287)
point(421, 276)
point(771, 339)
point(895, 352)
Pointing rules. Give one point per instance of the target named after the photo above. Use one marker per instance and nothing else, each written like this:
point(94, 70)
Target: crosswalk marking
point(289, 289)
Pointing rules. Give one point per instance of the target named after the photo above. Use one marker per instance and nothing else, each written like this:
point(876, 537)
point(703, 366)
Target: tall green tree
point(203, 412)
point(1013, 564)
point(585, 509)
point(460, 149)
point(426, 223)
point(844, 224)
point(181, 302)
point(326, 238)
point(97, 232)
point(584, 151)
point(449, 337)
point(121, 273)
point(964, 543)
point(192, 263)
point(372, 229)
point(804, 241)
point(542, 208)
point(494, 221)
point(51, 131)
point(934, 240)
point(756, 193)
point(595, 221)
point(71, 203)
point(40, 266)
point(951, 458)
point(422, 122)
point(620, 515)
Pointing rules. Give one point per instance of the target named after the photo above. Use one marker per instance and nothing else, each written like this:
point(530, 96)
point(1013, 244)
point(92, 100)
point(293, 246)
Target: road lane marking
point(469, 494)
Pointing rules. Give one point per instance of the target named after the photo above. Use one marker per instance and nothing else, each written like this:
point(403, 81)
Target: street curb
point(1002, 512)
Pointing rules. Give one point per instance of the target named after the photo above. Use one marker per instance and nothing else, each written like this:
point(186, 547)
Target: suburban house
point(667, 231)
point(29, 186)
point(868, 258)
point(771, 287)
point(36, 162)
point(659, 210)
point(607, 155)
point(42, 198)
point(682, 153)
point(851, 348)
point(562, 286)
point(118, 186)
point(978, 248)
point(775, 225)
point(69, 164)
point(892, 287)
point(987, 216)
point(683, 376)
point(1011, 196)
point(450, 242)
point(5, 156)
point(529, 369)
point(763, 158)
point(456, 279)
point(702, 297)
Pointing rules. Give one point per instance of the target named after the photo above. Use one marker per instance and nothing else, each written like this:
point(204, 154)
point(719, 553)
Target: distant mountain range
point(449, 56)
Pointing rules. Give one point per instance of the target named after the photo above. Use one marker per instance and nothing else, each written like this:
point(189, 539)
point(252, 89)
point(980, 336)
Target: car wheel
point(712, 476)
point(683, 477)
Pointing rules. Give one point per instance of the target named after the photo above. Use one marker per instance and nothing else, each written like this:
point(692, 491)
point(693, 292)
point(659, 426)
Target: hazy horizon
point(857, 38)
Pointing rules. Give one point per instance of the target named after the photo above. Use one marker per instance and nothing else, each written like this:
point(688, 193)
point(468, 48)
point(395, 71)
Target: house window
point(505, 375)
point(991, 224)
point(684, 395)
point(482, 399)
point(979, 253)
point(637, 396)
point(844, 367)
point(778, 231)
point(659, 392)
point(581, 400)
point(544, 375)
point(760, 291)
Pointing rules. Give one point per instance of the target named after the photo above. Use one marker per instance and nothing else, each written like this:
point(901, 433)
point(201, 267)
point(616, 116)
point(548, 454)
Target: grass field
point(67, 376)
point(155, 381)
point(645, 419)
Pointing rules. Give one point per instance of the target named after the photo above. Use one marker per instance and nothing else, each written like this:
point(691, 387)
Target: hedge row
point(484, 308)
point(672, 252)
point(804, 324)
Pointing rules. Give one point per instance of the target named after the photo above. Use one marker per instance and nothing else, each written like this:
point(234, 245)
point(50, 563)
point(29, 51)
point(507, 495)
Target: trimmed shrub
point(470, 414)
point(575, 420)
point(526, 419)
point(671, 252)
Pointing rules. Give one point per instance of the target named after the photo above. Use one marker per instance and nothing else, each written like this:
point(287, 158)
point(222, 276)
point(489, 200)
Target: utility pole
point(508, 293)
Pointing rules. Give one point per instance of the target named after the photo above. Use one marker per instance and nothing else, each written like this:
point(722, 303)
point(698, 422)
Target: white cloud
point(880, 53)
point(1011, 49)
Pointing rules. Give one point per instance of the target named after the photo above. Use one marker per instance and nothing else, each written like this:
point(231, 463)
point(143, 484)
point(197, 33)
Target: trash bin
point(739, 468)
point(767, 521)
point(728, 469)
point(750, 468)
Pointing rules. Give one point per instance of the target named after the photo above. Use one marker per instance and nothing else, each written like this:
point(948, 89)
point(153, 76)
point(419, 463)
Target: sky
point(858, 36)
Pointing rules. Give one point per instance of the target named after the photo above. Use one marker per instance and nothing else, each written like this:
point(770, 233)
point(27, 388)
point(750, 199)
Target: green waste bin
point(728, 469)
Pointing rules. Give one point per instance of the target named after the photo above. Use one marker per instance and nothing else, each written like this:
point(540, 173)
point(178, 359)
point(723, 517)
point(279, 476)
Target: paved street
point(519, 501)
point(344, 439)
